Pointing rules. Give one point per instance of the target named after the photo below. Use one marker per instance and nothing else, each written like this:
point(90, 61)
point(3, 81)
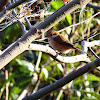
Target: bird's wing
point(62, 40)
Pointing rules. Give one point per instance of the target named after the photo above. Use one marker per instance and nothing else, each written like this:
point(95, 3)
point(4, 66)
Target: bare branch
point(9, 8)
point(87, 20)
point(92, 43)
point(63, 81)
point(22, 44)
point(71, 59)
point(93, 53)
point(93, 6)
point(52, 53)
point(21, 24)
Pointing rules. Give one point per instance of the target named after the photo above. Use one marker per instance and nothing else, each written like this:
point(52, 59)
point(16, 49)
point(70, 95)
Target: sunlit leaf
point(94, 94)
point(60, 67)
point(45, 72)
point(69, 19)
point(26, 64)
point(57, 4)
point(34, 79)
point(14, 92)
point(92, 78)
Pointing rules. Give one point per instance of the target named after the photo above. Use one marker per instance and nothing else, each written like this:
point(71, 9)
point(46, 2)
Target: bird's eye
point(52, 34)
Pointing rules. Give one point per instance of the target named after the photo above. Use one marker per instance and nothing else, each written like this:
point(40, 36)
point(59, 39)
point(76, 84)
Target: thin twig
point(81, 13)
point(79, 22)
point(93, 6)
point(38, 82)
point(91, 36)
point(7, 85)
point(27, 21)
point(94, 53)
point(21, 24)
point(63, 81)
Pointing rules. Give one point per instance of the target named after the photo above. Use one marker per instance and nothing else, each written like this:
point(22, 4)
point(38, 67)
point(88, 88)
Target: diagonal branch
point(63, 81)
point(52, 53)
point(7, 10)
point(93, 6)
point(22, 44)
point(64, 59)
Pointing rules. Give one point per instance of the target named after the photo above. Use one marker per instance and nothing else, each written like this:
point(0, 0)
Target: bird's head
point(52, 33)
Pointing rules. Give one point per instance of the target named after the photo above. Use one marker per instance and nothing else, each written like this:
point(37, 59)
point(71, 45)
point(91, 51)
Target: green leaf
point(51, 78)
point(74, 98)
point(94, 94)
point(14, 93)
point(69, 19)
point(60, 67)
point(57, 4)
point(34, 79)
point(92, 78)
point(25, 64)
point(44, 70)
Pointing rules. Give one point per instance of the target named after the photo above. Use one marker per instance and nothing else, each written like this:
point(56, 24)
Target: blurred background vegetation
point(33, 70)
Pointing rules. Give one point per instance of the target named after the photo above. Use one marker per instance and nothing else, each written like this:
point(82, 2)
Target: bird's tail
point(80, 50)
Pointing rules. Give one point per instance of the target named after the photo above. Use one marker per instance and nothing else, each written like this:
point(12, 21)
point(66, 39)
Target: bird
point(60, 43)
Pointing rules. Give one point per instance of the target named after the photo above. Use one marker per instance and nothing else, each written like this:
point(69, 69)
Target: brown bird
point(59, 42)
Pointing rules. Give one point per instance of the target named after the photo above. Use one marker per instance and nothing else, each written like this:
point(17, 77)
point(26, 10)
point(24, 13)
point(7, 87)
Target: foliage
point(21, 70)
